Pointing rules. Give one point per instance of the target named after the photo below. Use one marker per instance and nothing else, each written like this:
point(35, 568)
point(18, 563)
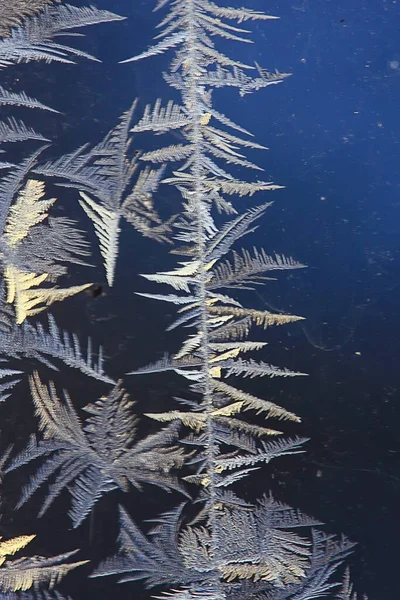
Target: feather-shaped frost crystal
point(24, 573)
point(97, 457)
point(30, 246)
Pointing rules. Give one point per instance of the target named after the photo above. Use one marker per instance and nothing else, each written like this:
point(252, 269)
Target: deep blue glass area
point(332, 130)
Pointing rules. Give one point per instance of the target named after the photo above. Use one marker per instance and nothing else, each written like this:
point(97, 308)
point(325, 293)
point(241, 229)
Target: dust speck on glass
point(160, 222)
